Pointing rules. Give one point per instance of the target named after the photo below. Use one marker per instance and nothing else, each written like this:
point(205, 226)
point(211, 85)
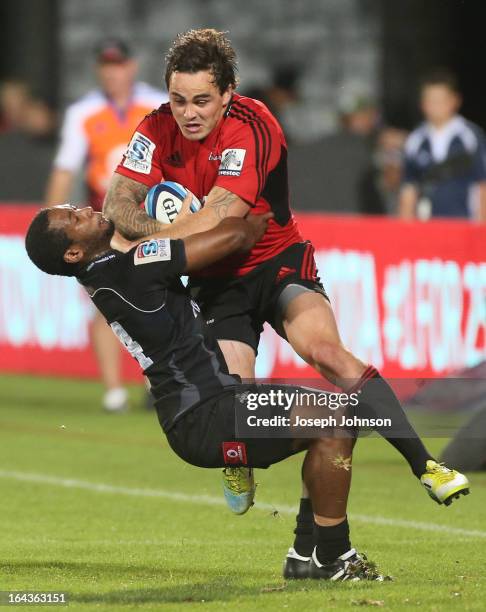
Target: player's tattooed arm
point(221, 203)
point(122, 206)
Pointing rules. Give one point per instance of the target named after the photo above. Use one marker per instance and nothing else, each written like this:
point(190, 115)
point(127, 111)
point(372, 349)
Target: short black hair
point(205, 49)
point(441, 76)
point(46, 246)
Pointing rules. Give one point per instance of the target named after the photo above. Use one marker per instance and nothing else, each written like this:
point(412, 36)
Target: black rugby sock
point(332, 542)
point(304, 530)
point(377, 400)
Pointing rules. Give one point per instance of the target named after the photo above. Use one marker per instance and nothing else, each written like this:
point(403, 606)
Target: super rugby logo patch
point(152, 250)
point(232, 162)
point(139, 154)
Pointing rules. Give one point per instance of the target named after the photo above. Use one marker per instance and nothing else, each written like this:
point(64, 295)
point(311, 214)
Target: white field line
point(209, 500)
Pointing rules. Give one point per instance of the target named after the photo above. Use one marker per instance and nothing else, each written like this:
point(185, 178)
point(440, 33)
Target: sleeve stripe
point(257, 127)
point(253, 115)
point(264, 128)
point(258, 146)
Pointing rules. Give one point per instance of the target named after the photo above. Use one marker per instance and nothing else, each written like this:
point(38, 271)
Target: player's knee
point(334, 447)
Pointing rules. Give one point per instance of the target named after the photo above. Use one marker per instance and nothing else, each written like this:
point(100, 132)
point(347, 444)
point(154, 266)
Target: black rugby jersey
point(141, 296)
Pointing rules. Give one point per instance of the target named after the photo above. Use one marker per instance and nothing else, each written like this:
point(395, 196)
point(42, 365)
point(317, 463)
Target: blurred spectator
point(281, 97)
point(445, 158)
point(356, 170)
point(95, 133)
point(14, 99)
point(389, 161)
point(98, 127)
point(39, 120)
point(26, 141)
point(20, 111)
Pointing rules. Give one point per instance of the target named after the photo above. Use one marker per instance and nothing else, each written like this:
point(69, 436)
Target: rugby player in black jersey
point(142, 298)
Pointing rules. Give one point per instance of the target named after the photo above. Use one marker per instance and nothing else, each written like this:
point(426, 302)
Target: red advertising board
point(408, 297)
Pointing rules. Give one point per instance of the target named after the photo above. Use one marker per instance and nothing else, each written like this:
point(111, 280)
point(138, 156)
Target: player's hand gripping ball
point(164, 201)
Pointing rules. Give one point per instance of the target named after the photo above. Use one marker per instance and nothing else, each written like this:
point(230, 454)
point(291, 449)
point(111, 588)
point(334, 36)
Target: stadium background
point(420, 286)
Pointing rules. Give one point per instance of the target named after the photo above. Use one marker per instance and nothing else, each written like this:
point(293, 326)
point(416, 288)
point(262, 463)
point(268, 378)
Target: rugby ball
point(164, 201)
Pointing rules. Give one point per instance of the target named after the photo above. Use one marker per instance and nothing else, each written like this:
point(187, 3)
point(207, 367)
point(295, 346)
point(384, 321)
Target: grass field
point(98, 506)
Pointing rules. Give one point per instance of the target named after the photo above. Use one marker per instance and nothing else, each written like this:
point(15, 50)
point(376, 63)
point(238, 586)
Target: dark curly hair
point(206, 49)
point(441, 76)
point(46, 246)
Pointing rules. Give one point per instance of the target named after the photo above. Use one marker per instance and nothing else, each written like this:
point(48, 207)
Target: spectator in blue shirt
point(445, 158)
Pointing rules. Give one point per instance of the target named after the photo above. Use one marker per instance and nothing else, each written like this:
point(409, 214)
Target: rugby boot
point(443, 484)
point(296, 566)
point(239, 488)
point(351, 566)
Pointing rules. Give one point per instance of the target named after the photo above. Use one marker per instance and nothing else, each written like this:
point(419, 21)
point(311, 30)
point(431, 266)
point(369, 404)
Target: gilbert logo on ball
point(164, 201)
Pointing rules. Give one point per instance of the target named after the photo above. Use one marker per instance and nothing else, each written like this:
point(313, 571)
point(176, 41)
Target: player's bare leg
point(311, 329)
point(328, 482)
point(108, 353)
point(240, 358)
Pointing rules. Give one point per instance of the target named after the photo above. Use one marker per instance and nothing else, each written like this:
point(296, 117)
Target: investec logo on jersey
point(232, 162)
point(139, 154)
point(152, 250)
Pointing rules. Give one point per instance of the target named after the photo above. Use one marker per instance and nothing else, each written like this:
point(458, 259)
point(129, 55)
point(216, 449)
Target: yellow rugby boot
point(239, 488)
point(443, 484)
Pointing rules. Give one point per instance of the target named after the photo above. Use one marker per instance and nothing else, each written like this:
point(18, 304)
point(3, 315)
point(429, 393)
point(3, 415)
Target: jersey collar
point(104, 257)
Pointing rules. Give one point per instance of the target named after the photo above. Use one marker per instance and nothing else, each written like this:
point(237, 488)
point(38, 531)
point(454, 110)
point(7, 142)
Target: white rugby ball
point(164, 201)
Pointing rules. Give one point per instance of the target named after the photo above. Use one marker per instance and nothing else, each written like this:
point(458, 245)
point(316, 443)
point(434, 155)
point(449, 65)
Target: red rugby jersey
point(246, 154)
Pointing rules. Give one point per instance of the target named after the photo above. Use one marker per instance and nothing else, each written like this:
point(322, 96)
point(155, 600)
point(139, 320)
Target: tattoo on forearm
point(122, 205)
point(221, 204)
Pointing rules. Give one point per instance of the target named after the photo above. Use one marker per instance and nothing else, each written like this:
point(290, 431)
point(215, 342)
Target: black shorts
point(236, 308)
point(206, 436)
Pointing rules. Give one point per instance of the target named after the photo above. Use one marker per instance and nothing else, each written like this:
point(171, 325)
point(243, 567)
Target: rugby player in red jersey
point(231, 151)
